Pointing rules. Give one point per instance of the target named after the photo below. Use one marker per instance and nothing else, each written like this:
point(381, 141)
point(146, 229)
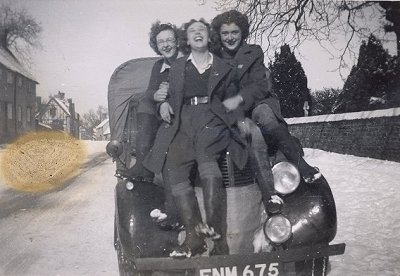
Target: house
point(84, 134)
point(17, 97)
point(102, 131)
point(59, 114)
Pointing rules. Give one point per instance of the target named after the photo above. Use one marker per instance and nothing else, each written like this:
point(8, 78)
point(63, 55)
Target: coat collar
point(208, 65)
point(166, 65)
point(220, 68)
point(244, 58)
point(244, 49)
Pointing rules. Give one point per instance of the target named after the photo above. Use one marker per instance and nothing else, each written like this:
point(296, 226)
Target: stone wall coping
point(390, 112)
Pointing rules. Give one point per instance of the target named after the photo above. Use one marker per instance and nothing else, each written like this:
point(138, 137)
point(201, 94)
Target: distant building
point(17, 97)
point(84, 134)
point(59, 114)
point(102, 131)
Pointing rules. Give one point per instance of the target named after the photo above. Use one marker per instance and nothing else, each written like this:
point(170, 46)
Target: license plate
point(270, 269)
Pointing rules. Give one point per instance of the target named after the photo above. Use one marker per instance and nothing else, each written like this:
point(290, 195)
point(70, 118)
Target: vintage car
point(299, 232)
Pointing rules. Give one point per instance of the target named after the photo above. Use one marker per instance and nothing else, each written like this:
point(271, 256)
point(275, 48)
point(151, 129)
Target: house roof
point(105, 121)
point(58, 102)
point(44, 125)
point(10, 62)
point(107, 130)
point(61, 104)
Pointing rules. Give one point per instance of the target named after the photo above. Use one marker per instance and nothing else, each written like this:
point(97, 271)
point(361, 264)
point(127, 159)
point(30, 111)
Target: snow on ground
point(94, 147)
point(367, 196)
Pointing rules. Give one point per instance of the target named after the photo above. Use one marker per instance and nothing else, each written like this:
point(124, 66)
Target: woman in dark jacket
point(233, 28)
point(196, 131)
point(164, 41)
point(254, 99)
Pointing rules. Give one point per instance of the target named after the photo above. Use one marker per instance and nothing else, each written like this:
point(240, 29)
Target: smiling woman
point(41, 161)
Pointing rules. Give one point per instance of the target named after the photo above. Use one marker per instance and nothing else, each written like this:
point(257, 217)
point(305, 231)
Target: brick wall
point(373, 134)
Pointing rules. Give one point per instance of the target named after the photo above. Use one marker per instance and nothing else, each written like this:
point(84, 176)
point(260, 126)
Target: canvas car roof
point(128, 83)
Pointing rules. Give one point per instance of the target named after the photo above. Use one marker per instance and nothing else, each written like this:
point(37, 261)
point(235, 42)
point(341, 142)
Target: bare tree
point(19, 32)
point(93, 118)
point(278, 22)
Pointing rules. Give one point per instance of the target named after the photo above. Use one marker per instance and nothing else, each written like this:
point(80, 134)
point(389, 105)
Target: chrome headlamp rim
point(278, 229)
point(286, 177)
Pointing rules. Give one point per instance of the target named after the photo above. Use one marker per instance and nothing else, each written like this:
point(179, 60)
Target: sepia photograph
point(199, 137)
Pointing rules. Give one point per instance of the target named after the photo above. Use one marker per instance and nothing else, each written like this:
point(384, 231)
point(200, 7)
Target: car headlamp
point(286, 177)
point(114, 149)
point(278, 229)
point(129, 185)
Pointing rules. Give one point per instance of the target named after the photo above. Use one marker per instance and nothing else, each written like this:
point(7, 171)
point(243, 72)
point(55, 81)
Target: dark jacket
point(253, 80)
point(220, 79)
point(147, 103)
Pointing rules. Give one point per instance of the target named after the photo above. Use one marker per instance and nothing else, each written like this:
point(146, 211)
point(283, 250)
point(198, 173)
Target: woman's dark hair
point(157, 28)
point(230, 17)
point(184, 47)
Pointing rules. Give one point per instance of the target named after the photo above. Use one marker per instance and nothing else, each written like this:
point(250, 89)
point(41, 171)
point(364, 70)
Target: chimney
point(3, 38)
point(60, 95)
point(38, 104)
point(71, 107)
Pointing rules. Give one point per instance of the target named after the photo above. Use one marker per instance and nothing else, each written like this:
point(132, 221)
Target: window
point(9, 111)
point(19, 82)
point(9, 77)
point(53, 111)
point(28, 114)
point(29, 86)
point(19, 113)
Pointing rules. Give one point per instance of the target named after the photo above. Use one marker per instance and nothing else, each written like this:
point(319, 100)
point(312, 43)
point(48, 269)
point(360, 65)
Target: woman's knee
point(181, 188)
point(209, 170)
point(264, 116)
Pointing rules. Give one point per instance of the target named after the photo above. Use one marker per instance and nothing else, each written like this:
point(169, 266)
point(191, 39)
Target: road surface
point(63, 232)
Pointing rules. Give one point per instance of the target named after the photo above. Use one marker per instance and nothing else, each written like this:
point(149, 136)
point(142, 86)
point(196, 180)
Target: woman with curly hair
point(263, 107)
point(164, 42)
point(257, 101)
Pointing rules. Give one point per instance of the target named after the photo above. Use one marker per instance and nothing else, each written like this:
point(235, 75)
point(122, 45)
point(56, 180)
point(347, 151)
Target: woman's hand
point(166, 112)
point(162, 92)
point(233, 102)
point(245, 127)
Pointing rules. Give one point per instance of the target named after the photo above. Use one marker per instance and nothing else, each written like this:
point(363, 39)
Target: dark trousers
point(277, 135)
point(201, 139)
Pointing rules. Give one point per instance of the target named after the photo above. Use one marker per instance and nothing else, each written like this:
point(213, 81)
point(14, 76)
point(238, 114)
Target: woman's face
point(231, 36)
point(197, 36)
point(166, 43)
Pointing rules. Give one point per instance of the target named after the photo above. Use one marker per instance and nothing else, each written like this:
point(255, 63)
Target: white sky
point(84, 41)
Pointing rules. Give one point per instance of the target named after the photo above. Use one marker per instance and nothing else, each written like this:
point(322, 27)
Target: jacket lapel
point(244, 60)
point(179, 78)
point(219, 70)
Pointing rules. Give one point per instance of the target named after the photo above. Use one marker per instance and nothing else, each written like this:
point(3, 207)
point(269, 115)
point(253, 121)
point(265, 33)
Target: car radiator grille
point(232, 176)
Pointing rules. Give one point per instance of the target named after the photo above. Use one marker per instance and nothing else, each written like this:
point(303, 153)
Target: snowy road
point(70, 231)
point(64, 232)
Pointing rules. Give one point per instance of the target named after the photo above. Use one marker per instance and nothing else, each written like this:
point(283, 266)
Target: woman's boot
point(189, 211)
point(172, 220)
point(147, 129)
point(215, 205)
point(280, 137)
point(259, 159)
